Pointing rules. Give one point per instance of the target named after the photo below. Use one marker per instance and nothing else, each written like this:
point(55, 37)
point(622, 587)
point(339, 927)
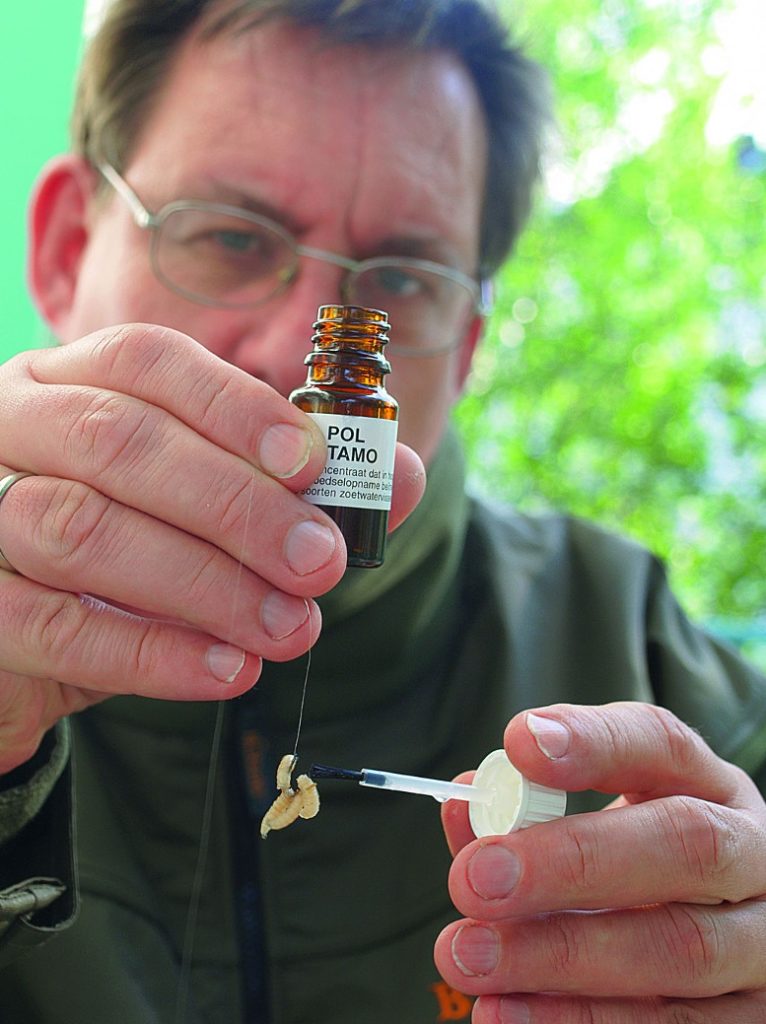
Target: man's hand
point(161, 547)
point(649, 912)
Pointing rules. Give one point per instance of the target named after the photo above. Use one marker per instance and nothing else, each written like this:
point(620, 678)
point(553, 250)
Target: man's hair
point(127, 60)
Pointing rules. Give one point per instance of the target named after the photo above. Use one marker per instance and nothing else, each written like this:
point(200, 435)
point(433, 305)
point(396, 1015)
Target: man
point(166, 460)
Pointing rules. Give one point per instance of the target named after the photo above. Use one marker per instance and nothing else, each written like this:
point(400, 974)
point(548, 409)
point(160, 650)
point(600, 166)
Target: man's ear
point(58, 234)
point(467, 349)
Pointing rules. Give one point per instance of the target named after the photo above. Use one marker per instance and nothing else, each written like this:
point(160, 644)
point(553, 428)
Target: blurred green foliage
point(623, 377)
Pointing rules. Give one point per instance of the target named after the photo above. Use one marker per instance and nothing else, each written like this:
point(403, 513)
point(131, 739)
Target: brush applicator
point(500, 798)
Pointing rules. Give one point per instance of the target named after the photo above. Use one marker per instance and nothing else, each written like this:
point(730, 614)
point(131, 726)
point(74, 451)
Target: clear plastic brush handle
point(436, 788)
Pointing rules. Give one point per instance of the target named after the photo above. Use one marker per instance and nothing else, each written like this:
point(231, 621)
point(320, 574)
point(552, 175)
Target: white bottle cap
point(518, 802)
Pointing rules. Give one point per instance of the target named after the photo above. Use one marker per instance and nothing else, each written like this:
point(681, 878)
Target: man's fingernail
point(225, 662)
point(284, 449)
point(308, 547)
point(493, 872)
point(551, 736)
point(514, 1011)
point(476, 949)
point(282, 614)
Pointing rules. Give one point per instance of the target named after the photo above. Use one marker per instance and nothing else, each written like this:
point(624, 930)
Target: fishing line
point(303, 704)
point(184, 979)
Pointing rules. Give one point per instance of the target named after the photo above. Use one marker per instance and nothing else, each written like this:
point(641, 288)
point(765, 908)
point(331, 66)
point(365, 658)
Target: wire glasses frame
point(228, 257)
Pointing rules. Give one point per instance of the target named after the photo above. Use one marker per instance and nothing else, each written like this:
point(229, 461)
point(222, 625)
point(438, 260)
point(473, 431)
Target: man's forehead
point(410, 71)
point(269, 69)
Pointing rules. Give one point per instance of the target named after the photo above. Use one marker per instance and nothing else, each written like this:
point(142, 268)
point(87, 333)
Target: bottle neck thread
point(349, 336)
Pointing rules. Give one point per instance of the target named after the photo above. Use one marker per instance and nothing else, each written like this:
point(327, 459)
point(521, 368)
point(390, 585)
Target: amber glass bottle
point(344, 393)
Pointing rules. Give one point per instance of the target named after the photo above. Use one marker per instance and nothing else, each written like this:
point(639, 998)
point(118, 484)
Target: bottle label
point(359, 472)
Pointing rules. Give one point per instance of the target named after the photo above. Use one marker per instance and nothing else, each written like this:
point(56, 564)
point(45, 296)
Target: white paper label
point(360, 462)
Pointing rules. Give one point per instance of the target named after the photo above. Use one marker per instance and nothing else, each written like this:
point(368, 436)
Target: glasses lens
point(428, 310)
point(231, 260)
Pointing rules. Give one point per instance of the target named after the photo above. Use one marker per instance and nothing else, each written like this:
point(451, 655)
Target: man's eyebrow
point(437, 250)
point(220, 192)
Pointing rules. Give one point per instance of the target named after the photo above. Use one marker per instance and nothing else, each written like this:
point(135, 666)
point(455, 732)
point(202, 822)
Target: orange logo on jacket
point(453, 1005)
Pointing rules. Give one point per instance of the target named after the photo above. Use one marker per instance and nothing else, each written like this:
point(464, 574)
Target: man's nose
point(278, 339)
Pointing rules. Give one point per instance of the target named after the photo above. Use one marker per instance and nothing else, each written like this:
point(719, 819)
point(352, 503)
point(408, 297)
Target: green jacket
point(478, 613)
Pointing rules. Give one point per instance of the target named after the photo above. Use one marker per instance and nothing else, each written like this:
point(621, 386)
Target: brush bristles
point(326, 771)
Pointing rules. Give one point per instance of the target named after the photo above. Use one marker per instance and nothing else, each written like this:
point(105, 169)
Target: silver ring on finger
point(5, 485)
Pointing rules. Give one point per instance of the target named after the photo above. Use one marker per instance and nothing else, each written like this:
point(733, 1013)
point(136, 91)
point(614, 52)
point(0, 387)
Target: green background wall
point(40, 47)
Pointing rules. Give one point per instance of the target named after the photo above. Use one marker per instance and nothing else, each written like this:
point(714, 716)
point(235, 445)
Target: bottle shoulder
point(345, 401)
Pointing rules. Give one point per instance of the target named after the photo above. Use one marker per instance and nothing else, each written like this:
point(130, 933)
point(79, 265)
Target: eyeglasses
point(223, 256)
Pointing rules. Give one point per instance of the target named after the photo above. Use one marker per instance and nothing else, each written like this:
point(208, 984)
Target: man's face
point(356, 152)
